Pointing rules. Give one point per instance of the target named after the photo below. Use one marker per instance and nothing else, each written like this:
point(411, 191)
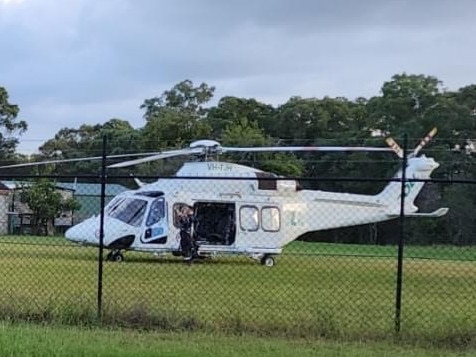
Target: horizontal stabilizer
point(438, 213)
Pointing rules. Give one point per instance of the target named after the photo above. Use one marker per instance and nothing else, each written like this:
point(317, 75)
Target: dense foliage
point(9, 126)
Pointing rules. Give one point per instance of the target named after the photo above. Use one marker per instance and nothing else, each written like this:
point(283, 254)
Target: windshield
point(128, 210)
point(156, 213)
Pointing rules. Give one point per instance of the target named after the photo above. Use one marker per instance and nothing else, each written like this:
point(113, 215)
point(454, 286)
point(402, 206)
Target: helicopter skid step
point(226, 249)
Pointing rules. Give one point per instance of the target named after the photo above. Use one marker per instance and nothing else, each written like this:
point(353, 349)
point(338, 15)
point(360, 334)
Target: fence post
point(101, 227)
point(398, 295)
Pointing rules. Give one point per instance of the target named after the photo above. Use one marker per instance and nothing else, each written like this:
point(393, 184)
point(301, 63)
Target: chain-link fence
point(267, 255)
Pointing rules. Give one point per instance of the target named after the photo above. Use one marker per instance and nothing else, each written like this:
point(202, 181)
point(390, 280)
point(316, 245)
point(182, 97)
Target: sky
point(73, 62)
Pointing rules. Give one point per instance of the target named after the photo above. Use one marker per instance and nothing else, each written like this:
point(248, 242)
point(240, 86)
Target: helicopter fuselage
point(238, 210)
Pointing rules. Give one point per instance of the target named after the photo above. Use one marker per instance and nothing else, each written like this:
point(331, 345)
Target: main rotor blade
point(26, 164)
point(305, 148)
point(162, 155)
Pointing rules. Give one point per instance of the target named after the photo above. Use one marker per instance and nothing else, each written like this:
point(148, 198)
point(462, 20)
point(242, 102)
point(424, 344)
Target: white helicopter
point(242, 210)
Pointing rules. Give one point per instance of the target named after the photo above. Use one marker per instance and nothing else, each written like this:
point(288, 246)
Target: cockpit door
point(155, 226)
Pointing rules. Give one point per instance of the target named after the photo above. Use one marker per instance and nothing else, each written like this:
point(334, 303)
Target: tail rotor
point(395, 147)
point(424, 141)
point(399, 151)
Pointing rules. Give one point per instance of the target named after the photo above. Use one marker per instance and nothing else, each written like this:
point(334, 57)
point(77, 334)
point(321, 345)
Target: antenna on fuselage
point(138, 182)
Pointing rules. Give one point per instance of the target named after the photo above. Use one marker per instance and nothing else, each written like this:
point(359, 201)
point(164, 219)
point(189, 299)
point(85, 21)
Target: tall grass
point(56, 341)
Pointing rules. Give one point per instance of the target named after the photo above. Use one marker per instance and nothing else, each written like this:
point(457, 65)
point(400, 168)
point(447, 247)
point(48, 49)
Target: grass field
point(315, 290)
point(56, 341)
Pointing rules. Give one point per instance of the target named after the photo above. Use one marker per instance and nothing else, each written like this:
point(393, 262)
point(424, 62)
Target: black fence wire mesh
point(274, 258)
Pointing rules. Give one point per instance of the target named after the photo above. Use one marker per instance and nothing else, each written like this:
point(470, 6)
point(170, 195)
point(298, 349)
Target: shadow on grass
point(90, 254)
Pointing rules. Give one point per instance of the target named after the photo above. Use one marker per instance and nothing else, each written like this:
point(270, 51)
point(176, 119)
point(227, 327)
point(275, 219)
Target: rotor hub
point(208, 147)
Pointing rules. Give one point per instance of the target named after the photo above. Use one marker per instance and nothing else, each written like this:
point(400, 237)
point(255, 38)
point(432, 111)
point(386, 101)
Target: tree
point(407, 105)
point(8, 115)
point(87, 141)
point(327, 122)
point(232, 109)
point(183, 97)
point(245, 133)
point(175, 118)
point(46, 204)
point(307, 119)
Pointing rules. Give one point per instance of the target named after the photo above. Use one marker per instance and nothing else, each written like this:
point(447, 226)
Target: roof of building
point(92, 189)
point(3, 187)
point(13, 185)
point(80, 189)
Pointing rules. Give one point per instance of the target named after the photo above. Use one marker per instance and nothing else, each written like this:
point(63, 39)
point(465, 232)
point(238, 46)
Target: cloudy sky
point(69, 62)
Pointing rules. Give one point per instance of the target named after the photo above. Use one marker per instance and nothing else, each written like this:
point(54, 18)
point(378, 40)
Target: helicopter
point(239, 209)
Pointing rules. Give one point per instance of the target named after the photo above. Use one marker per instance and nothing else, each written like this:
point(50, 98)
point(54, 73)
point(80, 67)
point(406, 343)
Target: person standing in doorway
point(187, 244)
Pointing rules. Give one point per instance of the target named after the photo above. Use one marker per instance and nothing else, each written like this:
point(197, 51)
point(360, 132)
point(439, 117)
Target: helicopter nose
point(84, 232)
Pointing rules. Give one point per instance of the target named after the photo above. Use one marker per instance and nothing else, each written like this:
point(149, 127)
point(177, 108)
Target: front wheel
point(114, 256)
point(118, 257)
point(268, 261)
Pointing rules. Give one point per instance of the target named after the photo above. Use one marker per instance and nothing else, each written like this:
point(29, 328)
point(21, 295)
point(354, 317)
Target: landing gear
point(267, 260)
point(115, 256)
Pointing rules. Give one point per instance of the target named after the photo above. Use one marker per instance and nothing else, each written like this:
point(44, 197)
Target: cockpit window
point(112, 206)
point(156, 213)
point(128, 210)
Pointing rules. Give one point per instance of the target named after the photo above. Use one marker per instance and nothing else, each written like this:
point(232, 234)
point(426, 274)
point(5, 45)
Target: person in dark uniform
point(187, 244)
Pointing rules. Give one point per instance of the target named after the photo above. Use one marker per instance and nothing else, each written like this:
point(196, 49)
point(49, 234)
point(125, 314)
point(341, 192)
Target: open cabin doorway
point(215, 223)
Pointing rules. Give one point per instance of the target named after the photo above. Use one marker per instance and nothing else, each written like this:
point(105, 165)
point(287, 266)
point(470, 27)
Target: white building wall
point(4, 207)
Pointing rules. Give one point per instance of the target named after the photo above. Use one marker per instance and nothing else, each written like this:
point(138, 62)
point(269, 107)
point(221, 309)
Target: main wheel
point(268, 261)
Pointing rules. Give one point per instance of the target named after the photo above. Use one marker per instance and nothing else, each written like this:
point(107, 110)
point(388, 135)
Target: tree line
point(407, 104)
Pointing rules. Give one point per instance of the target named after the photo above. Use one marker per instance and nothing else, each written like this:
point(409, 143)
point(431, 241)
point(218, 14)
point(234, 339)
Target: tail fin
point(419, 168)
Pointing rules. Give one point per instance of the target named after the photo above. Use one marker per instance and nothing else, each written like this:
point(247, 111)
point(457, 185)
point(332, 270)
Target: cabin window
point(270, 219)
point(249, 220)
point(266, 181)
point(128, 210)
point(156, 212)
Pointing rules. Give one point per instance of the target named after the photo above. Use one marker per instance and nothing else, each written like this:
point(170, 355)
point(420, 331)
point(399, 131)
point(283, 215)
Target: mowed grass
point(315, 290)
